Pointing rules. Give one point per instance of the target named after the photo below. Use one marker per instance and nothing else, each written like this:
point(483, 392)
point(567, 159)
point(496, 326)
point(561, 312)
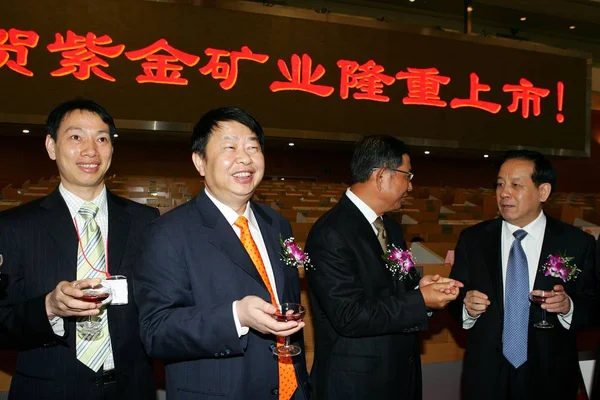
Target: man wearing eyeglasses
point(366, 320)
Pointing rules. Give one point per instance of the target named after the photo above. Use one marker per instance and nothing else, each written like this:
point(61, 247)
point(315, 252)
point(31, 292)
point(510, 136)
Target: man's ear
point(51, 147)
point(377, 178)
point(198, 161)
point(545, 189)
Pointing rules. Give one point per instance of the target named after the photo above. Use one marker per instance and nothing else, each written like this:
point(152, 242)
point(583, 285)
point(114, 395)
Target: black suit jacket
point(552, 356)
point(365, 320)
point(596, 379)
point(192, 270)
point(39, 245)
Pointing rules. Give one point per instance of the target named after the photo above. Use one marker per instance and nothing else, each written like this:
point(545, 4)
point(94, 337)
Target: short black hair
point(56, 116)
point(543, 170)
point(210, 121)
point(376, 151)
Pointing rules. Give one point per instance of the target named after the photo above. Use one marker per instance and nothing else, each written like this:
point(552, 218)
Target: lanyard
point(83, 251)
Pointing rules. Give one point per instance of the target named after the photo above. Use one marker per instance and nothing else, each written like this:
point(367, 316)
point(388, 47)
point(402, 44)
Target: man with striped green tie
point(72, 239)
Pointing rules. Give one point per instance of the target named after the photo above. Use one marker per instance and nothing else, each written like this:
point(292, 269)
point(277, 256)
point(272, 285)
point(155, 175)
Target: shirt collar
point(535, 229)
point(369, 214)
point(230, 215)
point(75, 202)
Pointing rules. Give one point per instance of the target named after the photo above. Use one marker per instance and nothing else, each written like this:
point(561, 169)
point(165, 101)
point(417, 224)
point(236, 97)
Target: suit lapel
point(492, 244)
point(57, 220)
point(364, 228)
point(119, 222)
point(271, 238)
point(224, 238)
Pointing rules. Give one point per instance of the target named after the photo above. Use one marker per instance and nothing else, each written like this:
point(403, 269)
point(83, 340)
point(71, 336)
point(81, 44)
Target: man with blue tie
point(211, 275)
point(501, 261)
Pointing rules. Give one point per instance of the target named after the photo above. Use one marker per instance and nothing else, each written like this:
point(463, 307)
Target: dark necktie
point(381, 234)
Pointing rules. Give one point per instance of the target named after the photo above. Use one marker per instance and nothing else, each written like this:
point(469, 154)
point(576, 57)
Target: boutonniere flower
point(399, 262)
point(558, 266)
point(293, 255)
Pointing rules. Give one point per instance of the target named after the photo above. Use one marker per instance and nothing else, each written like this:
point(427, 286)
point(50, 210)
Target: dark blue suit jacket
point(39, 245)
point(192, 269)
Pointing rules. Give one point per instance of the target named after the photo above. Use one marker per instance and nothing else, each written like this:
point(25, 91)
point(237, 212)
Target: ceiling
point(272, 143)
point(570, 24)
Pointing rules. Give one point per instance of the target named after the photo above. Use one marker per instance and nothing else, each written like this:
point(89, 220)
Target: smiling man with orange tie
point(211, 276)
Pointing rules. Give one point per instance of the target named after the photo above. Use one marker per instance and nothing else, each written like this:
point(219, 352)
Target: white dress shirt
point(231, 216)
point(74, 203)
point(532, 246)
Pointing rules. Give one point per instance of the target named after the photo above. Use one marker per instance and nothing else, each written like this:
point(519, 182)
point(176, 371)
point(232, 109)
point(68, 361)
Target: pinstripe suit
point(39, 244)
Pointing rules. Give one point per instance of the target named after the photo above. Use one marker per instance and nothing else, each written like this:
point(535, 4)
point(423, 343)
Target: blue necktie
point(516, 304)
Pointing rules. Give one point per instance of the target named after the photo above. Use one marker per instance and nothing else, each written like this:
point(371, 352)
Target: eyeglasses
point(409, 174)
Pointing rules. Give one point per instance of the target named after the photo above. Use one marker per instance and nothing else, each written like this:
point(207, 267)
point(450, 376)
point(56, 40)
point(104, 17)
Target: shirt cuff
point(468, 321)
point(241, 330)
point(565, 319)
point(58, 326)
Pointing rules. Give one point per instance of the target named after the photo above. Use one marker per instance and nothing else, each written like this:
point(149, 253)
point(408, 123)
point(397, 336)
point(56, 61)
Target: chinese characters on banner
point(162, 63)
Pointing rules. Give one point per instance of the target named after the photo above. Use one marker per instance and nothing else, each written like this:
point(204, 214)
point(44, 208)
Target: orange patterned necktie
point(287, 375)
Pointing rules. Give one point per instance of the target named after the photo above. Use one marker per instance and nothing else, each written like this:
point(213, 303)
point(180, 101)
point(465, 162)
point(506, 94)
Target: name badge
point(118, 286)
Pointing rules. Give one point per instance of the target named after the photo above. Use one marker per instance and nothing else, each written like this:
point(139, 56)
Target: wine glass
point(92, 325)
point(288, 312)
point(543, 324)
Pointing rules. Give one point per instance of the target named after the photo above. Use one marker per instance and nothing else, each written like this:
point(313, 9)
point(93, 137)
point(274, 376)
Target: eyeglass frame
point(409, 174)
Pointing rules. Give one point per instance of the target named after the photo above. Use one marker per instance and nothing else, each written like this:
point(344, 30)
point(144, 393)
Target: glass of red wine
point(288, 312)
point(543, 324)
point(92, 326)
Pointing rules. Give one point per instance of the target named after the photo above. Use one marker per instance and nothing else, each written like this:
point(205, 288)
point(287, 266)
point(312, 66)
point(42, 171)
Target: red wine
point(288, 317)
point(537, 299)
point(94, 298)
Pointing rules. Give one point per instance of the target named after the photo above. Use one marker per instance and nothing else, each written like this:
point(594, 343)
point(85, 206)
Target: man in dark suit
point(211, 273)
point(500, 262)
point(596, 378)
point(42, 246)
point(366, 321)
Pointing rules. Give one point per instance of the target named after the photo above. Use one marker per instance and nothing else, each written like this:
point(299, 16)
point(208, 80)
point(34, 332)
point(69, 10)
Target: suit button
point(222, 354)
point(227, 352)
point(97, 382)
point(216, 355)
point(272, 346)
point(275, 391)
point(411, 360)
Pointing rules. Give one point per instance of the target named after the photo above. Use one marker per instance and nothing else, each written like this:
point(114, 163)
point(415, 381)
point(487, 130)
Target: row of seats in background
point(432, 219)
point(161, 192)
point(432, 216)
